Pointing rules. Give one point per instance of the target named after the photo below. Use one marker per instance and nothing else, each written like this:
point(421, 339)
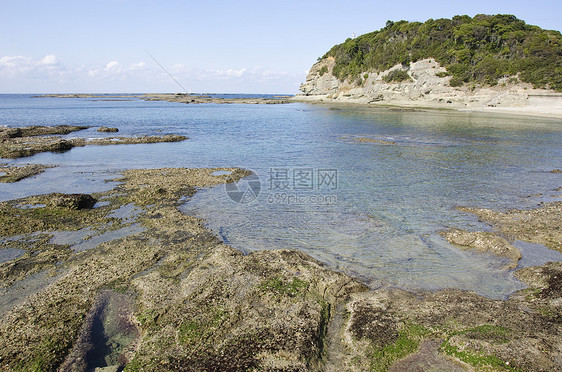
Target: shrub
point(397, 76)
point(479, 49)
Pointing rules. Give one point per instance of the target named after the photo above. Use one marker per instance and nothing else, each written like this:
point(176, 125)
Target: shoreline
point(176, 97)
point(551, 112)
point(538, 111)
point(187, 298)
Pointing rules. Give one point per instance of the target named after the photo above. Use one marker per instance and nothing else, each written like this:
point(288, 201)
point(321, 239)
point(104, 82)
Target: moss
point(279, 286)
point(203, 327)
point(406, 343)
point(492, 333)
point(147, 319)
point(476, 359)
point(489, 333)
point(190, 331)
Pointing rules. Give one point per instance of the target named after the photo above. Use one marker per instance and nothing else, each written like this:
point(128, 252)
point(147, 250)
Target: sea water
point(371, 209)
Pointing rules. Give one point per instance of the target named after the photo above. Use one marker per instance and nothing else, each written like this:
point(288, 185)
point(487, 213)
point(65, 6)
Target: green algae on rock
point(189, 302)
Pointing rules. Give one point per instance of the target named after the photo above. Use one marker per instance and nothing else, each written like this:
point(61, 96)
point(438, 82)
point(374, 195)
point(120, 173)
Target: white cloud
point(28, 67)
point(49, 60)
point(49, 73)
point(234, 73)
point(138, 66)
point(113, 66)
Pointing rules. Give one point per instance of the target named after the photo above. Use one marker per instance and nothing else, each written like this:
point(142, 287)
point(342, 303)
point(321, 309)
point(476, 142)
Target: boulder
point(72, 201)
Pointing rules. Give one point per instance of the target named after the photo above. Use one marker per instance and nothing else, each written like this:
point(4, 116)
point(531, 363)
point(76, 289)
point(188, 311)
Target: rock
point(18, 173)
point(10, 132)
point(482, 241)
point(60, 146)
point(372, 140)
point(107, 129)
point(428, 86)
point(39, 130)
point(72, 201)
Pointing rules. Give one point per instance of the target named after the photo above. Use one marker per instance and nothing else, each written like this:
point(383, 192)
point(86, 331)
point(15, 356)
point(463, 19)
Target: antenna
point(203, 107)
point(166, 71)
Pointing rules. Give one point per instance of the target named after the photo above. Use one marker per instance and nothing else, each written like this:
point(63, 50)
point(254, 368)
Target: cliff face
point(427, 86)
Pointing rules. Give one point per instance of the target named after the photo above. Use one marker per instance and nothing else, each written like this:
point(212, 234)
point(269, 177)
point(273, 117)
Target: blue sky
point(243, 46)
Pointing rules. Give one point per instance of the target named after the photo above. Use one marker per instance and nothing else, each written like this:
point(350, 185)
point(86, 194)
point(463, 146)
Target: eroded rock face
point(320, 80)
point(427, 86)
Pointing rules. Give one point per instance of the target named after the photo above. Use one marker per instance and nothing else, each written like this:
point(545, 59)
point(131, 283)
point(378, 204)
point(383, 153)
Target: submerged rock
point(107, 338)
point(482, 241)
point(20, 172)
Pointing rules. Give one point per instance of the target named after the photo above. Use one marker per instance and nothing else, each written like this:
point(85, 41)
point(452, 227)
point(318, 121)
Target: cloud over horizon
point(20, 74)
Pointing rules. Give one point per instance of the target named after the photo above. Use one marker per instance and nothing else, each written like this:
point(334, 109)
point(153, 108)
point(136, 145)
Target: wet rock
point(541, 225)
point(72, 201)
point(60, 146)
point(107, 338)
point(372, 140)
point(107, 129)
point(37, 130)
point(428, 358)
point(20, 172)
point(10, 132)
point(201, 305)
point(482, 241)
point(373, 323)
point(135, 140)
point(45, 130)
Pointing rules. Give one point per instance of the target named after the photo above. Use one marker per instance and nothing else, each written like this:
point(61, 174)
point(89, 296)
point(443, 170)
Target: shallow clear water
point(370, 209)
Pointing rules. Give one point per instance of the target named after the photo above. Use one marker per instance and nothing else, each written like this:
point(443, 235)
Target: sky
point(243, 46)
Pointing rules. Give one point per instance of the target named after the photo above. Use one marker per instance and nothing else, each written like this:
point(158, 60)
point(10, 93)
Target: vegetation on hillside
point(482, 49)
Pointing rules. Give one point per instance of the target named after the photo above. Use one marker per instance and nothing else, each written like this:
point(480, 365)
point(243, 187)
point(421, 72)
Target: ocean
point(371, 208)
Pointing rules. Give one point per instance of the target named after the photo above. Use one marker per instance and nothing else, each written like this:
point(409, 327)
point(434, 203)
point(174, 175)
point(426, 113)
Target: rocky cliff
point(426, 84)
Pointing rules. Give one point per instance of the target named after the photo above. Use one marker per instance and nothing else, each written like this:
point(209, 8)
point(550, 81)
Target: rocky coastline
point(20, 142)
point(170, 296)
point(180, 98)
point(427, 87)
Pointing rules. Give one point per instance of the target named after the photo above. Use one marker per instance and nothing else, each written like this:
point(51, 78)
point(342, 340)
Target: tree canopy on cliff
point(480, 49)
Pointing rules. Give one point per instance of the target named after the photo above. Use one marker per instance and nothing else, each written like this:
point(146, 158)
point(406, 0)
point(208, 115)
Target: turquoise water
point(372, 210)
